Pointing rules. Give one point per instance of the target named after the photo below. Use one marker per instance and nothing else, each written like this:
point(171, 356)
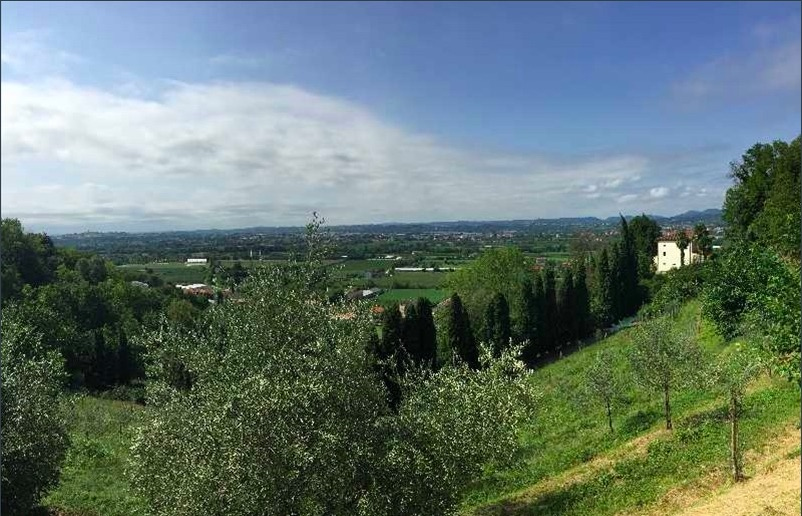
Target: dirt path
point(772, 487)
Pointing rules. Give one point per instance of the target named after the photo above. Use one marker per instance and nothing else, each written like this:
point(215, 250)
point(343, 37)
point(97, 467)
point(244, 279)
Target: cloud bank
point(245, 154)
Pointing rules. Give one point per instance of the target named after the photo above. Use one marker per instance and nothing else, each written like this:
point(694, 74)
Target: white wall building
point(196, 261)
point(668, 255)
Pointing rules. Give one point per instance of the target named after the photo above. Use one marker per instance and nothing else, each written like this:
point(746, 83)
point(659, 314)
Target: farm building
point(196, 261)
point(669, 255)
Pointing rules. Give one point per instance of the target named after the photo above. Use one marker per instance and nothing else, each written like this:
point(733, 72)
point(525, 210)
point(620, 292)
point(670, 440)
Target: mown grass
point(93, 480)
point(570, 430)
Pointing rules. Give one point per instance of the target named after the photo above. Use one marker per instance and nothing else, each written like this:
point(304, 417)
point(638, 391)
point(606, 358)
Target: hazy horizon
point(256, 114)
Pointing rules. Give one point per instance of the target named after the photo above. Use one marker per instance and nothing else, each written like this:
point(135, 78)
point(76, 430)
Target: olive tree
point(603, 383)
point(734, 371)
point(34, 439)
point(283, 412)
point(663, 356)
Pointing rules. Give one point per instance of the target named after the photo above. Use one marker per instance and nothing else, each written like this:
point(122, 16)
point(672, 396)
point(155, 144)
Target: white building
point(196, 261)
point(668, 256)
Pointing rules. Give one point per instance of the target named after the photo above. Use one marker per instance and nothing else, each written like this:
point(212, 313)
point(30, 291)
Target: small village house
point(669, 255)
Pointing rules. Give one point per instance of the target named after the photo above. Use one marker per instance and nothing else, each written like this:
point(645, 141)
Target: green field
point(426, 280)
point(406, 294)
point(172, 272)
point(93, 480)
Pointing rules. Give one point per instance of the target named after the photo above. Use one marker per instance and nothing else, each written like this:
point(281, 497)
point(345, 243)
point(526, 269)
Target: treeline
point(85, 308)
point(503, 299)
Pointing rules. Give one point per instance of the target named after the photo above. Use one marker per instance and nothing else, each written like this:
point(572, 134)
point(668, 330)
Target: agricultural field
point(172, 272)
point(407, 294)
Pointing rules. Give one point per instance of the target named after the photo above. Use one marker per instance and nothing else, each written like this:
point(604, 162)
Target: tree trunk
point(667, 406)
point(609, 417)
point(735, 443)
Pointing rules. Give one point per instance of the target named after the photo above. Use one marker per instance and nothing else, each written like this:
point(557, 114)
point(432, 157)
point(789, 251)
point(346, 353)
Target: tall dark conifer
point(602, 301)
point(582, 301)
point(497, 324)
point(459, 341)
point(550, 316)
point(566, 309)
point(427, 353)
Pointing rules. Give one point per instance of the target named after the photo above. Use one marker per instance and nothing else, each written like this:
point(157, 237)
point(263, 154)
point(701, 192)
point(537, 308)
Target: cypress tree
point(390, 353)
point(602, 302)
point(497, 323)
point(566, 309)
point(537, 346)
point(427, 338)
point(550, 316)
point(582, 301)
point(630, 296)
point(525, 327)
point(615, 281)
point(459, 342)
point(410, 336)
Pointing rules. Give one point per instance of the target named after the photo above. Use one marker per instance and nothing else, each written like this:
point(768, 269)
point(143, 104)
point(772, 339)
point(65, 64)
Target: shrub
point(286, 415)
point(34, 439)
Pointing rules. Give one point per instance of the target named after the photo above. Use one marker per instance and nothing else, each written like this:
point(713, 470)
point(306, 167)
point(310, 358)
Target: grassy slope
point(571, 464)
point(93, 480)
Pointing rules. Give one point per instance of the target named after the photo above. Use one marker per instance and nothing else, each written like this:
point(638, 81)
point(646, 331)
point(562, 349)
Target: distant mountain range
point(711, 217)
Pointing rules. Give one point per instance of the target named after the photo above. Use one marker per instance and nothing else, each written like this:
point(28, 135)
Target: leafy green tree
point(497, 324)
point(34, 438)
point(763, 204)
point(603, 383)
point(702, 240)
point(495, 271)
point(734, 371)
point(286, 417)
point(28, 259)
point(663, 358)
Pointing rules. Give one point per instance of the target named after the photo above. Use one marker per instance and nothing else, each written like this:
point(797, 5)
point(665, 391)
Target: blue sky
point(152, 116)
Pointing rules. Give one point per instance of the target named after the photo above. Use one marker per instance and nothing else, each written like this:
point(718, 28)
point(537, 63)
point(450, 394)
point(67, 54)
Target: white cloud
point(27, 54)
point(246, 154)
point(765, 70)
point(658, 192)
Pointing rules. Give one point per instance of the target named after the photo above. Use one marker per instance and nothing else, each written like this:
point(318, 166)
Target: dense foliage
point(34, 439)
point(85, 308)
point(283, 412)
point(763, 204)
